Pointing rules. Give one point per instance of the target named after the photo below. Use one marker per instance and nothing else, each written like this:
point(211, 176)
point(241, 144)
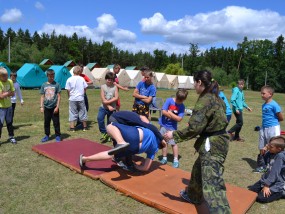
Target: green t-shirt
point(50, 91)
point(4, 87)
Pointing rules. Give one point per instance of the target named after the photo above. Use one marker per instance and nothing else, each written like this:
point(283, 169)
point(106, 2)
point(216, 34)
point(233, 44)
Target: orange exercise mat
point(160, 188)
point(67, 153)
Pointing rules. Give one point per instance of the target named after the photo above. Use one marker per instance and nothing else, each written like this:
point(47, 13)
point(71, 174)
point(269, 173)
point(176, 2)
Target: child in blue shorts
point(172, 112)
point(130, 139)
point(271, 116)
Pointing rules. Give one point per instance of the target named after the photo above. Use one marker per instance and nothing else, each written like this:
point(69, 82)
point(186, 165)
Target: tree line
point(259, 62)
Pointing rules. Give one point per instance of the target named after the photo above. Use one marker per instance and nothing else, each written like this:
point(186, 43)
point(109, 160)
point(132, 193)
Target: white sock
point(175, 160)
point(164, 158)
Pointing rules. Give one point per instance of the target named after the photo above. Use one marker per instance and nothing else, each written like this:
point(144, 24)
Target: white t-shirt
point(76, 85)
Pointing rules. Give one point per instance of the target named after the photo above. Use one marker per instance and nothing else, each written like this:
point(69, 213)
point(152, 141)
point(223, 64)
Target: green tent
point(61, 74)
point(31, 76)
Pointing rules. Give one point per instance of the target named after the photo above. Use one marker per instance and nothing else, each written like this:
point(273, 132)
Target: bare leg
point(97, 157)
point(84, 124)
point(115, 133)
point(175, 151)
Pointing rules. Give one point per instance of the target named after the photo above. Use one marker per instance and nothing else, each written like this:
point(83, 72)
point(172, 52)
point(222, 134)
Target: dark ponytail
point(211, 85)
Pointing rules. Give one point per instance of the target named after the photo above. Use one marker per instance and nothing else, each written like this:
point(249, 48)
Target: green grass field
point(31, 183)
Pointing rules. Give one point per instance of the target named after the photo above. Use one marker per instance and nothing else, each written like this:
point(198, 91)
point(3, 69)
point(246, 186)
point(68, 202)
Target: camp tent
point(2, 64)
point(86, 71)
point(184, 82)
point(46, 62)
point(31, 76)
point(92, 65)
point(69, 63)
point(191, 78)
point(124, 78)
point(99, 75)
point(135, 76)
point(162, 81)
point(172, 81)
point(61, 74)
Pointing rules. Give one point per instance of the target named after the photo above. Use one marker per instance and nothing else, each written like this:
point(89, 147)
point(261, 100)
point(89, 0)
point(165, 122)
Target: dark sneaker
point(184, 195)
point(72, 129)
point(259, 170)
point(57, 139)
point(45, 139)
point(13, 140)
point(118, 148)
point(81, 164)
point(239, 140)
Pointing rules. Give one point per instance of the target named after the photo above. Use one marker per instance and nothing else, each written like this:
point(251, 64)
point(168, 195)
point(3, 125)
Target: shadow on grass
point(18, 138)
point(251, 163)
point(22, 125)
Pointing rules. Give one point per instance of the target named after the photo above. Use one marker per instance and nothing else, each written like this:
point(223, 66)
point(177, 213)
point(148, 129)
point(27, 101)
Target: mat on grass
point(67, 153)
point(160, 188)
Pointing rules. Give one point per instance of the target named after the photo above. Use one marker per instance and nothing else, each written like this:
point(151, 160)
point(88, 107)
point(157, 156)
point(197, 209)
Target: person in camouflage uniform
point(209, 121)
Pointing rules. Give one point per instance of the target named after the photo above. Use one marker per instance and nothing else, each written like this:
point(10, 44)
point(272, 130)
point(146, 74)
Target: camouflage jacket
point(208, 117)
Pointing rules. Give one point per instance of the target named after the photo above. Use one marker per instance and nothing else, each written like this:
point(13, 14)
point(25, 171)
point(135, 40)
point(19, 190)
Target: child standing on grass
point(271, 116)
point(109, 97)
point(49, 105)
point(7, 90)
point(18, 93)
point(172, 112)
point(228, 107)
point(143, 94)
point(238, 103)
point(271, 185)
point(116, 70)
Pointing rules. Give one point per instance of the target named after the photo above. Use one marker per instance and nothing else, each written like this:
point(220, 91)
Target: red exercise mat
point(67, 153)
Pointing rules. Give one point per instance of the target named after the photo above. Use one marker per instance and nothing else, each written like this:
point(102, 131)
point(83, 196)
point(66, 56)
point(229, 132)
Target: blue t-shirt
point(177, 109)
point(145, 90)
point(228, 107)
point(269, 114)
point(149, 144)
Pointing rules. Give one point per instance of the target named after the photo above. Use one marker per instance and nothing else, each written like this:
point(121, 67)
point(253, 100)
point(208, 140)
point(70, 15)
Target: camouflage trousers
point(207, 176)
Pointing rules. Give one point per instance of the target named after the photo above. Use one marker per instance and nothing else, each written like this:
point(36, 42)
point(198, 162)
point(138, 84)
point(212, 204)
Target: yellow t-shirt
point(4, 87)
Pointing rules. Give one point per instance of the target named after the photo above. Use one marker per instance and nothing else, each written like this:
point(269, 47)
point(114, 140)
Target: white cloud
point(107, 30)
point(225, 27)
point(11, 16)
point(230, 24)
point(39, 5)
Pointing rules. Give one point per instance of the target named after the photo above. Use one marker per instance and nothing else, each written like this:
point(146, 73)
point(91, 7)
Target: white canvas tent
point(124, 78)
point(184, 82)
point(99, 75)
point(172, 81)
point(162, 81)
point(87, 72)
point(191, 78)
point(135, 76)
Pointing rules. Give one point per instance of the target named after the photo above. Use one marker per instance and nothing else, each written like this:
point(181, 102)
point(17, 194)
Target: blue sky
point(150, 24)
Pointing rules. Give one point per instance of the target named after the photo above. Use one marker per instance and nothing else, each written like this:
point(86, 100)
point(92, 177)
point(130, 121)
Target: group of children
point(271, 157)
point(9, 90)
